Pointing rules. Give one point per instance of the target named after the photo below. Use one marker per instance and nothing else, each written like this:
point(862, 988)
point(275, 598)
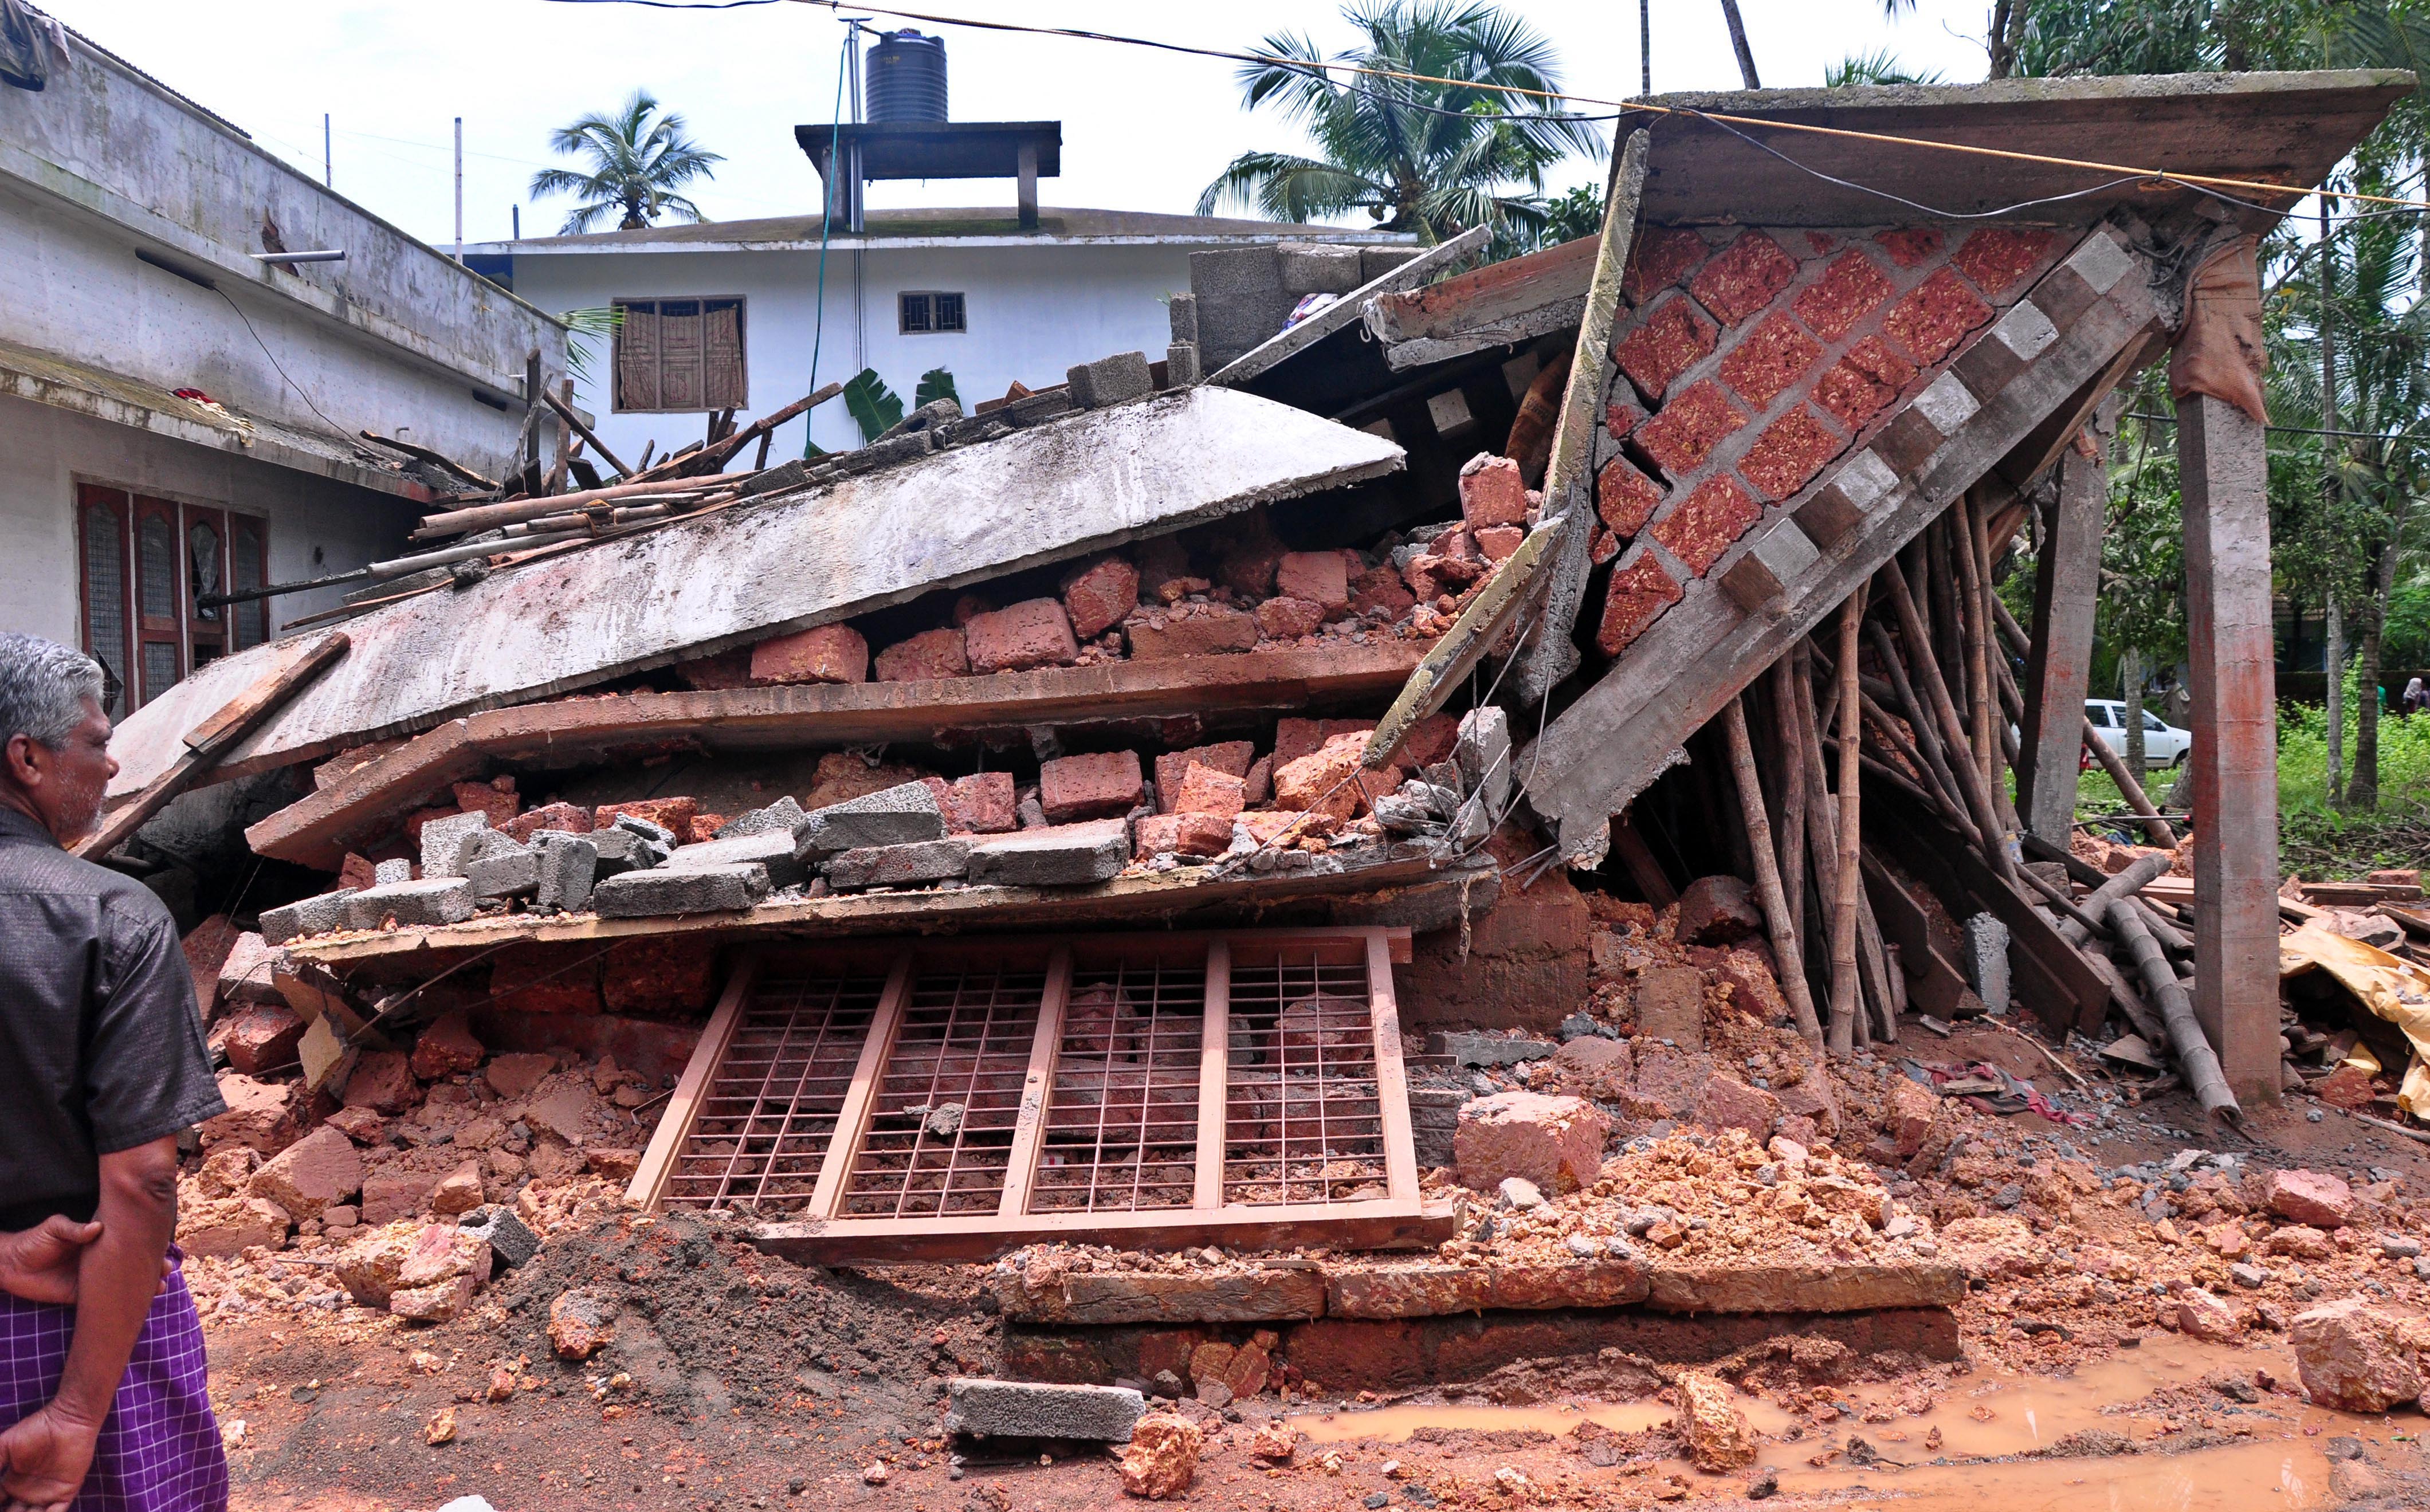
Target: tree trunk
point(2363, 791)
point(1738, 43)
point(2006, 16)
point(2333, 670)
point(2130, 674)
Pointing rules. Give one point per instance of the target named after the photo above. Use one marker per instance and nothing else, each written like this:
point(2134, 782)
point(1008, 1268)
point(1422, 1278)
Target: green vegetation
point(639, 157)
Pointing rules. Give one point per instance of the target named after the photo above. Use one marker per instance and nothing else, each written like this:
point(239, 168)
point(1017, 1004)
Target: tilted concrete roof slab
point(2289, 128)
point(735, 576)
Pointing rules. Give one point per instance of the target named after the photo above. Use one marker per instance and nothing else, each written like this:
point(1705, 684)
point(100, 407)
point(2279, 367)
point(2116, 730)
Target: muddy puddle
point(2280, 1460)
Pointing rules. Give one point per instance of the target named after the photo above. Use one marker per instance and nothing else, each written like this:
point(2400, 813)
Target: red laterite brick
point(1715, 513)
point(1637, 597)
point(1688, 427)
point(1850, 290)
point(1626, 497)
point(1996, 256)
point(1665, 341)
point(1909, 246)
point(1787, 455)
point(1744, 278)
point(1772, 355)
point(1659, 259)
point(1858, 386)
point(1936, 316)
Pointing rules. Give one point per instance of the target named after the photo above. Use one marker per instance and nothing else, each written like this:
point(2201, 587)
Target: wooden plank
point(2066, 591)
point(207, 741)
point(1933, 984)
point(1029, 1125)
point(860, 1095)
point(1383, 1224)
point(368, 802)
point(731, 577)
point(1391, 1078)
point(1348, 310)
point(1618, 734)
point(1214, 1079)
point(683, 1109)
point(1515, 300)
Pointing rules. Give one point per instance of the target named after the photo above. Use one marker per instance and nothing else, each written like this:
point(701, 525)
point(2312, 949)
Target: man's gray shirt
point(100, 1047)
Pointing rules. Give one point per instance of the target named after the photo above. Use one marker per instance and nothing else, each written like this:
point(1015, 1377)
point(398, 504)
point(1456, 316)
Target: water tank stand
point(1027, 158)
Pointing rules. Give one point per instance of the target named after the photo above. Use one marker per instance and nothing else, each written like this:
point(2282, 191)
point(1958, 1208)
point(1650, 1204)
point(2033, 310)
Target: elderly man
point(102, 1064)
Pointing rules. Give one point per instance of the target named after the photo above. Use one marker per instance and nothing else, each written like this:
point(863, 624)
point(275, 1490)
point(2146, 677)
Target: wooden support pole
point(566, 413)
point(1919, 720)
point(1769, 892)
point(1965, 533)
point(2223, 475)
point(1844, 1004)
point(1925, 671)
point(2195, 1057)
point(2059, 654)
point(1999, 742)
point(2124, 885)
point(1823, 854)
point(1790, 771)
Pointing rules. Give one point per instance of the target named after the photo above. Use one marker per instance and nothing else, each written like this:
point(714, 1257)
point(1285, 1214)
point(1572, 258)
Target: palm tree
point(1877, 67)
point(1432, 158)
point(639, 157)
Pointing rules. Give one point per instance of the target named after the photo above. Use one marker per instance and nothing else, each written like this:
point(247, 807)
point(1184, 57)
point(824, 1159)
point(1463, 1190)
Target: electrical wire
point(334, 427)
point(2194, 181)
point(827, 229)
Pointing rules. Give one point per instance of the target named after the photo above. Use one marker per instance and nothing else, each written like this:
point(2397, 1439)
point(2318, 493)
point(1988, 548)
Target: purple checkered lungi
point(159, 1448)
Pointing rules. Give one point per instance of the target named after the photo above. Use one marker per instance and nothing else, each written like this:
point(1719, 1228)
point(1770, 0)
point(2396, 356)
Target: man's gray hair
point(42, 689)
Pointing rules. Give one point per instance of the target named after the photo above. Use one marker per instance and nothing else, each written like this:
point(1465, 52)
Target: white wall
point(49, 452)
point(1033, 311)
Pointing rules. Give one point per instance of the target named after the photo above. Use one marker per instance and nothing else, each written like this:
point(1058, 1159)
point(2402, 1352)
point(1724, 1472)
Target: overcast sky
point(1142, 130)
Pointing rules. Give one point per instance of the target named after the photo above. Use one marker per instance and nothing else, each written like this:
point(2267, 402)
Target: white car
point(2164, 744)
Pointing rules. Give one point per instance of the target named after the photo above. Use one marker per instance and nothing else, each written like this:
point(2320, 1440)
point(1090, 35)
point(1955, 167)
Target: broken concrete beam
point(1429, 1288)
point(514, 873)
point(897, 866)
point(1109, 380)
point(430, 901)
point(1469, 1047)
point(307, 916)
point(1755, 1285)
point(1020, 1410)
point(893, 816)
point(448, 843)
point(776, 849)
point(1058, 855)
point(569, 868)
point(693, 889)
point(1265, 1295)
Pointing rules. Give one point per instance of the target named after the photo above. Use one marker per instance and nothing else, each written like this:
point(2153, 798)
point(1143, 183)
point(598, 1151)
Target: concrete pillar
point(2235, 760)
point(1029, 185)
point(2067, 590)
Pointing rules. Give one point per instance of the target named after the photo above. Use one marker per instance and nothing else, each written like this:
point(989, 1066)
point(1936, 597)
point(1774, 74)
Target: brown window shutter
point(723, 356)
point(679, 353)
point(637, 357)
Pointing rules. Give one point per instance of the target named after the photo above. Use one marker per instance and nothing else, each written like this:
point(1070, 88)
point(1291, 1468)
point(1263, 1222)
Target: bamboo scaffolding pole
point(1845, 1008)
point(1927, 738)
point(1972, 626)
point(1925, 669)
point(1790, 774)
point(2128, 788)
point(1784, 948)
point(2195, 1057)
point(2124, 885)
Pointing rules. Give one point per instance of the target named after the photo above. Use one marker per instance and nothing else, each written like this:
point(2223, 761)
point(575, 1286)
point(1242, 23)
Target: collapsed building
point(1508, 710)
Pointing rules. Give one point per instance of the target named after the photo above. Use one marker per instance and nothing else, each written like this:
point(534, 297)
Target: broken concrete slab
point(431, 901)
point(307, 916)
point(776, 849)
point(1754, 1286)
point(1057, 855)
point(576, 618)
point(895, 866)
point(1020, 1410)
point(893, 816)
point(1431, 1288)
point(694, 889)
point(1052, 1295)
point(783, 814)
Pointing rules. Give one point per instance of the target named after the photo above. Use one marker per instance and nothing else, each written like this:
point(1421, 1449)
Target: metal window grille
point(918, 317)
point(966, 1097)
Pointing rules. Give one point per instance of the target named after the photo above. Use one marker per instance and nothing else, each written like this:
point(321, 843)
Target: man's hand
point(40, 1264)
point(44, 1460)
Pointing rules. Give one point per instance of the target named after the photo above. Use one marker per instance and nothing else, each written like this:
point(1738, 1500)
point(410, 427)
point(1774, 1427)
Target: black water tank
point(906, 78)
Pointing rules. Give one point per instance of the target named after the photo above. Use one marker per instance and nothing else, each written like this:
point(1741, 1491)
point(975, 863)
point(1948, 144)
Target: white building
point(729, 313)
point(179, 417)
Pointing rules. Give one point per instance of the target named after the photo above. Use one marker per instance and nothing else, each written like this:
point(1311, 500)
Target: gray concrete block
point(507, 874)
point(307, 916)
point(651, 843)
point(1109, 380)
point(1038, 408)
point(778, 850)
point(569, 868)
point(509, 1238)
point(1028, 1409)
point(896, 816)
point(1181, 367)
point(1467, 1047)
point(430, 901)
point(448, 843)
point(648, 829)
point(386, 872)
point(1375, 262)
point(903, 448)
point(668, 891)
point(1317, 268)
point(1060, 855)
point(1183, 311)
point(1240, 300)
point(1986, 952)
point(896, 866)
point(489, 843)
point(1483, 754)
point(618, 850)
point(791, 475)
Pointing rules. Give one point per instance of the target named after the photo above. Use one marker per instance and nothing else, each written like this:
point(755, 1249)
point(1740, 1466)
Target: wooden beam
point(1516, 300)
point(1214, 1080)
point(1391, 1079)
point(363, 805)
point(1037, 1084)
point(2059, 665)
point(675, 1128)
point(860, 1095)
point(207, 742)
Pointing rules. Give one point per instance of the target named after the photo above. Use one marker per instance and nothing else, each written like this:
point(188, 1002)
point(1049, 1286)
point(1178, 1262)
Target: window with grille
point(955, 1099)
point(930, 314)
point(680, 355)
point(144, 565)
